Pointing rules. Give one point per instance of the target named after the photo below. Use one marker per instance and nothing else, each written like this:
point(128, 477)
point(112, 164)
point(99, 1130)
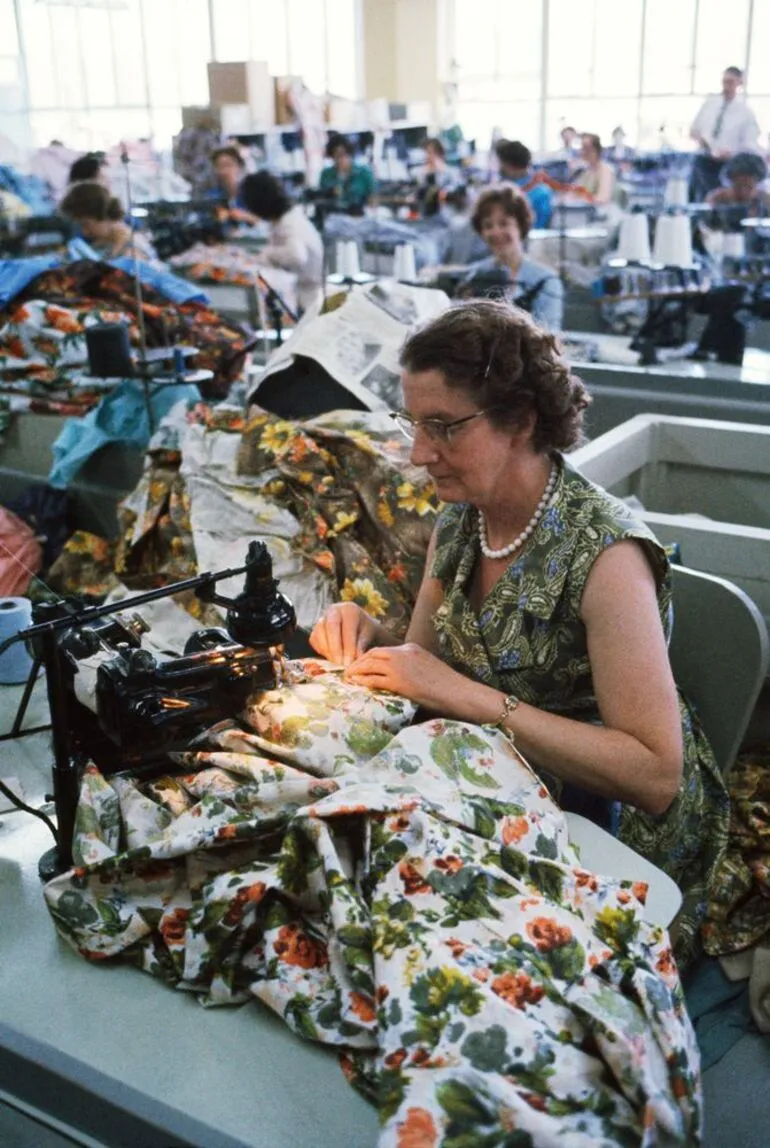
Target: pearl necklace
point(528, 530)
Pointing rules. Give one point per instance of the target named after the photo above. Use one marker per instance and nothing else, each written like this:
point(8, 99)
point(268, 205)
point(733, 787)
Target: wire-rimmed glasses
point(437, 430)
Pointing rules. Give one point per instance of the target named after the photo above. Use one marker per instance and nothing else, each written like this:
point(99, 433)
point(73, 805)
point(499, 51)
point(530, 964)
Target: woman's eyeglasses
point(437, 430)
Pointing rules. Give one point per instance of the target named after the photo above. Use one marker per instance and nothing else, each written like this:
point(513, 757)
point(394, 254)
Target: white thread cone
point(634, 240)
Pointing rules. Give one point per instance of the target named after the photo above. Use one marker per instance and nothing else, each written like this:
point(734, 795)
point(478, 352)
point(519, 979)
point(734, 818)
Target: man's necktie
point(720, 119)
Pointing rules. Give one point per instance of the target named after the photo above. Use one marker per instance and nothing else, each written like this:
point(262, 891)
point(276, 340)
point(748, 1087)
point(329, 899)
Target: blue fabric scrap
point(121, 417)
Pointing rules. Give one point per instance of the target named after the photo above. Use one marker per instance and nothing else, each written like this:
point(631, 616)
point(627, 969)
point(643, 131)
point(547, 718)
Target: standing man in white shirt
point(724, 126)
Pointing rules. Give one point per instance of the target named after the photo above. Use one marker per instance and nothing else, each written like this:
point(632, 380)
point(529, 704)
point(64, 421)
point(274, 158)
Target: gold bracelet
point(510, 702)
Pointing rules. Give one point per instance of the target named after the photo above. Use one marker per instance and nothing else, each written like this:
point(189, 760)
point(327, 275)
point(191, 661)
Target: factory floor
point(737, 1099)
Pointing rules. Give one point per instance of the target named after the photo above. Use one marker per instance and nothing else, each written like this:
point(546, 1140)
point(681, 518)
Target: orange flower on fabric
point(418, 1130)
point(517, 989)
point(363, 1007)
point(294, 948)
point(584, 878)
point(174, 925)
point(450, 863)
point(548, 934)
point(62, 320)
point(665, 963)
point(414, 882)
point(514, 828)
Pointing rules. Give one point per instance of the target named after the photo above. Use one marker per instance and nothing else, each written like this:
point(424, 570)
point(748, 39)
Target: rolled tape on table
point(15, 663)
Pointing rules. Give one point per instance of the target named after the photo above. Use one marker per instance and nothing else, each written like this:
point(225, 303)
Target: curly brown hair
point(507, 364)
point(512, 202)
point(90, 200)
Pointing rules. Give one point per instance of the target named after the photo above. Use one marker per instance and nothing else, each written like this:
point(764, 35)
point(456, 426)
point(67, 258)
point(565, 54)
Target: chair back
point(719, 654)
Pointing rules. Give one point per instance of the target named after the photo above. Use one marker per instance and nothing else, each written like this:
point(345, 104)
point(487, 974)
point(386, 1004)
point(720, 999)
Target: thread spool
point(682, 233)
point(634, 239)
point(663, 247)
point(352, 266)
point(15, 615)
point(109, 351)
point(404, 264)
point(733, 245)
point(675, 192)
point(339, 257)
point(673, 241)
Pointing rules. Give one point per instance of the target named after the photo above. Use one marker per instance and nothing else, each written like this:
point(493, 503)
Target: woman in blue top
point(351, 184)
point(230, 169)
point(502, 217)
point(515, 167)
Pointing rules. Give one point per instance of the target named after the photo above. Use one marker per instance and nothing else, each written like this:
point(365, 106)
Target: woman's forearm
point(606, 761)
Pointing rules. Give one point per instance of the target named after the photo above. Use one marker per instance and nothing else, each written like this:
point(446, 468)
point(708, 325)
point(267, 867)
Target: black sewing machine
point(114, 703)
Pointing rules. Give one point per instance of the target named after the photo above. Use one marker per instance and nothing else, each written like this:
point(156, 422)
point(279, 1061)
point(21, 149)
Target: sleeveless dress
point(528, 640)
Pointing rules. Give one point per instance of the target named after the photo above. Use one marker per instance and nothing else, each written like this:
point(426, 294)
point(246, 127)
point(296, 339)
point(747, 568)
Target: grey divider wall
point(25, 458)
point(683, 389)
point(703, 483)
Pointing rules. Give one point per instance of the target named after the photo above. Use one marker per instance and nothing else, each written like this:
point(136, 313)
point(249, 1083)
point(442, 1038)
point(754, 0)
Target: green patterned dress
point(529, 640)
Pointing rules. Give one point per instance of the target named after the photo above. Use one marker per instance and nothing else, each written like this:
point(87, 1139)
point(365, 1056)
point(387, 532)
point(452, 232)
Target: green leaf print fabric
point(419, 908)
point(529, 640)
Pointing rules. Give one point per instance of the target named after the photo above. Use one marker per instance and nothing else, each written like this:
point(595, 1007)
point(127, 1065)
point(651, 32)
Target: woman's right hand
point(343, 633)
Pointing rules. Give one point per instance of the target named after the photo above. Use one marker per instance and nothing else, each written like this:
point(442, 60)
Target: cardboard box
point(243, 82)
point(345, 115)
point(228, 119)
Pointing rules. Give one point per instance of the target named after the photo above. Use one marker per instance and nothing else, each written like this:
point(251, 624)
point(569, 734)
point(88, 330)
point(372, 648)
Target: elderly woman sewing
point(545, 606)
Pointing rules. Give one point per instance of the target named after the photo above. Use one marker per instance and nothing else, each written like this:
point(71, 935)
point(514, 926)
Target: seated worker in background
point(230, 168)
point(100, 217)
point(351, 184)
point(462, 243)
point(596, 176)
point(545, 605)
point(434, 180)
point(570, 144)
point(90, 168)
point(745, 173)
point(502, 217)
point(619, 152)
point(515, 167)
point(294, 244)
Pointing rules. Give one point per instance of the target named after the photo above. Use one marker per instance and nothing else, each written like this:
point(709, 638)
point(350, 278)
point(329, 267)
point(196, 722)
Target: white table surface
point(213, 1078)
point(615, 352)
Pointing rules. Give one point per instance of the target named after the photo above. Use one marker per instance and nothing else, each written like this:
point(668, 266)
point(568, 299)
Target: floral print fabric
point(419, 909)
point(339, 490)
point(529, 640)
point(75, 295)
point(739, 906)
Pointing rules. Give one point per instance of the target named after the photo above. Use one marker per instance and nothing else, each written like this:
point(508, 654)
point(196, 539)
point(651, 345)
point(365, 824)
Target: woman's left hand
point(412, 672)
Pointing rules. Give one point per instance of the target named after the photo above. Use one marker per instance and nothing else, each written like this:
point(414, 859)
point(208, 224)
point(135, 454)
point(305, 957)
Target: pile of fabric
point(344, 513)
point(738, 926)
point(406, 894)
point(42, 331)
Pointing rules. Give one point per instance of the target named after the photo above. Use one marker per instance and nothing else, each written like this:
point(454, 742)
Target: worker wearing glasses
point(545, 606)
